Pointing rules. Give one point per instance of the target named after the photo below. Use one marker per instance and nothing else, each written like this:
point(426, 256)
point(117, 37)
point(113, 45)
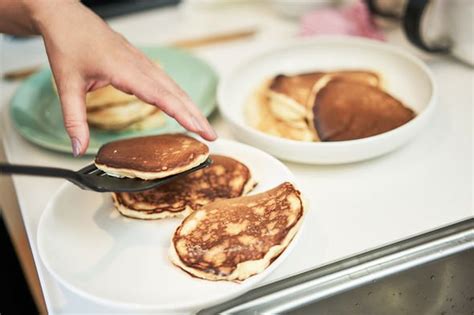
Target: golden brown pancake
point(283, 105)
point(289, 95)
point(152, 121)
point(281, 108)
point(151, 157)
point(347, 110)
point(297, 87)
point(114, 110)
point(106, 96)
point(225, 178)
point(121, 116)
point(236, 238)
point(259, 116)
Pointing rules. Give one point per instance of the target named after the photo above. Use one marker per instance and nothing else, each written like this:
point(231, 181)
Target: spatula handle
point(6, 168)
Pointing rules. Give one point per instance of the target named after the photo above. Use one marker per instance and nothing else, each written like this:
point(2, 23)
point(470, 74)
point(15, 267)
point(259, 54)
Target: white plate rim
point(349, 40)
point(167, 307)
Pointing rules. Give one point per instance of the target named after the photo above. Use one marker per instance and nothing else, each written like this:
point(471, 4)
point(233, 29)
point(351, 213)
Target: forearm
point(24, 17)
point(14, 18)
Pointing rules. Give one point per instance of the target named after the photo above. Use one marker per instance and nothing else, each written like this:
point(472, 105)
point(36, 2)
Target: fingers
point(151, 70)
point(168, 83)
point(153, 91)
point(72, 96)
point(147, 90)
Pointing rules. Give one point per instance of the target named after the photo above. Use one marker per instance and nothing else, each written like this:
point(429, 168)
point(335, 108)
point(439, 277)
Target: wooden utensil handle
point(20, 74)
point(214, 39)
point(186, 43)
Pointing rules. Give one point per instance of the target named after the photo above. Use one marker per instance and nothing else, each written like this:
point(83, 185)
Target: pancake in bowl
point(225, 178)
point(236, 238)
point(259, 115)
point(290, 96)
point(345, 110)
point(151, 157)
point(281, 106)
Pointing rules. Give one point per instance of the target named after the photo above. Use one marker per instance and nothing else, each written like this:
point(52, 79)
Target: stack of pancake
point(325, 106)
point(111, 109)
point(225, 235)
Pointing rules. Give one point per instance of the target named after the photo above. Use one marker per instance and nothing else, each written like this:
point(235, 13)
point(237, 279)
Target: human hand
point(86, 54)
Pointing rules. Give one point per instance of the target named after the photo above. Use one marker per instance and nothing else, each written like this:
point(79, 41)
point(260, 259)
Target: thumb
point(72, 98)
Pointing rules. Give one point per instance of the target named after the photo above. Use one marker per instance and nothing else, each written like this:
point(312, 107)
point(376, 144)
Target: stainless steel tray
point(431, 273)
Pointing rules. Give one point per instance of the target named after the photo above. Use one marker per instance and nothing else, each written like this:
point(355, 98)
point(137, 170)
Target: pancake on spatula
point(234, 239)
point(225, 178)
point(347, 110)
point(151, 157)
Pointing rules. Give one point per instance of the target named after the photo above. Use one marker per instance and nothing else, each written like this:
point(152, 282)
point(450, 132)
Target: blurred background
point(227, 27)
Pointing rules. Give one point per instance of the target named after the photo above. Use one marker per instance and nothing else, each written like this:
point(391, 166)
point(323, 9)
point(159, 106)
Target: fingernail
point(76, 147)
point(212, 132)
point(196, 124)
point(208, 129)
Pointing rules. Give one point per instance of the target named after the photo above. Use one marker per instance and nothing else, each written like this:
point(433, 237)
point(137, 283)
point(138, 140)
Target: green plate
point(36, 112)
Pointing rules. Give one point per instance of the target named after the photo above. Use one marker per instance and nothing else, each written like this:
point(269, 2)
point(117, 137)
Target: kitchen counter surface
point(354, 207)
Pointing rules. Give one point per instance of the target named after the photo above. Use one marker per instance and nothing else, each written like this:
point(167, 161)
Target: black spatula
point(91, 178)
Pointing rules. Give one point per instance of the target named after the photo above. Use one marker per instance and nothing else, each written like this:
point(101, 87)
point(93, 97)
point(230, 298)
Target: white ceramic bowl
point(404, 76)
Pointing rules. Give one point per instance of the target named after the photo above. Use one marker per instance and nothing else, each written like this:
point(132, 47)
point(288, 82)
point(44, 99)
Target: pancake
point(259, 116)
point(121, 116)
point(152, 121)
point(347, 110)
point(289, 95)
point(225, 178)
point(236, 238)
point(106, 96)
point(151, 157)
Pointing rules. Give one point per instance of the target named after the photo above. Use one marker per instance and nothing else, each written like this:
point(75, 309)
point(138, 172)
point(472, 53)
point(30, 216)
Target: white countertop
point(354, 207)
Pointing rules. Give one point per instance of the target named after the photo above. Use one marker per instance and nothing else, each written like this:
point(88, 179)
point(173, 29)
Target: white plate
point(97, 253)
point(405, 77)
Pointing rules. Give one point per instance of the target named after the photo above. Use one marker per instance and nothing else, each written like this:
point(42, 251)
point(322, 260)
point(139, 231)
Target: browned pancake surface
point(152, 153)
point(225, 178)
point(349, 110)
point(298, 87)
point(216, 238)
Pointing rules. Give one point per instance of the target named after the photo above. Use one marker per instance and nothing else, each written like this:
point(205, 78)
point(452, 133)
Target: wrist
point(42, 13)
